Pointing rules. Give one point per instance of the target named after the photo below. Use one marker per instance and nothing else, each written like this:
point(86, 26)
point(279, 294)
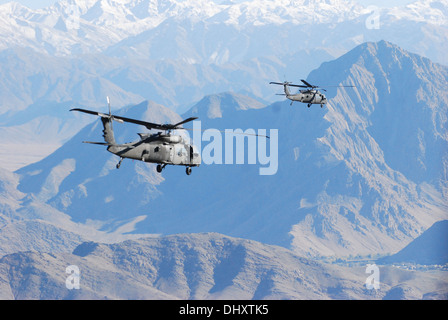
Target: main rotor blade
point(90, 112)
point(340, 86)
point(308, 84)
point(127, 145)
point(146, 124)
point(288, 84)
point(98, 143)
point(184, 121)
point(321, 87)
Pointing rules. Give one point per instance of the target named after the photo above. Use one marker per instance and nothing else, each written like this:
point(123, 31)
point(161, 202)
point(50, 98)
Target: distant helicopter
point(161, 148)
point(310, 95)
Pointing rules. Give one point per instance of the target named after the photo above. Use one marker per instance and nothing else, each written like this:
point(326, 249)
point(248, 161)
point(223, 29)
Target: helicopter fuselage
point(308, 96)
point(163, 149)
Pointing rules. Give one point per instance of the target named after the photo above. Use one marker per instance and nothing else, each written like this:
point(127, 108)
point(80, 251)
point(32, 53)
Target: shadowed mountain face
point(431, 247)
point(400, 100)
point(346, 179)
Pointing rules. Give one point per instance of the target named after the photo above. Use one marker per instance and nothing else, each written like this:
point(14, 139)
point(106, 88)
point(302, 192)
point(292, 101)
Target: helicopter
point(310, 95)
point(162, 147)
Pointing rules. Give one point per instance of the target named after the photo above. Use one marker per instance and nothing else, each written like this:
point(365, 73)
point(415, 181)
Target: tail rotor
point(110, 112)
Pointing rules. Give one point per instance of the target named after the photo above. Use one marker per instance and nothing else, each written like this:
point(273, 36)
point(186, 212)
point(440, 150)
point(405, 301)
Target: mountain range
point(341, 189)
point(290, 37)
point(209, 30)
point(198, 267)
point(366, 175)
point(175, 52)
point(345, 183)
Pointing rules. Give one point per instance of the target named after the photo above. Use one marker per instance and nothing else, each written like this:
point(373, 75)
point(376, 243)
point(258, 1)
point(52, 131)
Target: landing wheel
point(159, 168)
point(119, 163)
point(188, 170)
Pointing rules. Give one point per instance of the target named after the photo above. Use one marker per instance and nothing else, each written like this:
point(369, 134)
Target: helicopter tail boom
point(108, 132)
point(106, 119)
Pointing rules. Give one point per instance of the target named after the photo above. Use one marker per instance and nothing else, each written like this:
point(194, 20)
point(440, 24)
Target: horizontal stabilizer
point(110, 144)
point(99, 143)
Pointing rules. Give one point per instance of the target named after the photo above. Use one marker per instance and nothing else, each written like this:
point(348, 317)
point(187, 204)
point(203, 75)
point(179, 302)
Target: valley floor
point(16, 156)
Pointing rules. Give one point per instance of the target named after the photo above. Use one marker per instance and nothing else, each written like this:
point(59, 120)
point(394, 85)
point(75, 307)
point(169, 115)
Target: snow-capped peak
point(91, 26)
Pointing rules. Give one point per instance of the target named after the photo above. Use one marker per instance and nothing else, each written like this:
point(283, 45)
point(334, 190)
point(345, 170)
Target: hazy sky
point(380, 3)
